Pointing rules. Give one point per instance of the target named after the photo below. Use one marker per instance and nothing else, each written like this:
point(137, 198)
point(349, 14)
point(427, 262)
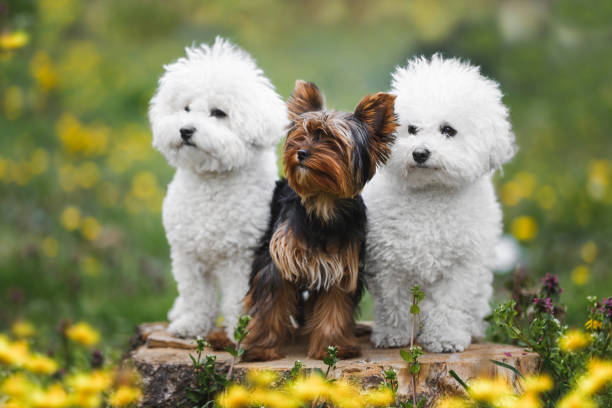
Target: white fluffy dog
point(217, 119)
point(433, 216)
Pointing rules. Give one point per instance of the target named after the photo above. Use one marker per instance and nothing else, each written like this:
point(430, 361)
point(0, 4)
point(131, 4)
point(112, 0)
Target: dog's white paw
point(390, 338)
point(447, 342)
point(190, 326)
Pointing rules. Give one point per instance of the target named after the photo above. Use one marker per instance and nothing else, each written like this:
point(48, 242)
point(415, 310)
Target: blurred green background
point(81, 186)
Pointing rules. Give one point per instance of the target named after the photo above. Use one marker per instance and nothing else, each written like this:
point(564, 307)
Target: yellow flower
point(511, 193)
point(573, 400)
point(124, 395)
point(524, 228)
point(236, 396)
point(17, 386)
point(90, 228)
point(23, 329)
point(452, 402)
point(599, 178)
point(13, 102)
point(90, 265)
point(487, 390)
point(13, 353)
point(599, 374)
point(13, 41)
point(379, 398)
point(79, 139)
point(574, 340)
point(3, 167)
point(39, 161)
point(82, 400)
point(537, 384)
point(261, 378)
point(43, 71)
point(71, 218)
point(310, 388)
point(528, 400)
point(593, 325)
point(40, 364)
point(50, 247)
point(53, 397)
point(90, 383)
point(342, 394)
point(589, 252)
point(87, 174)
point(83, 333)
point(580, 275)
point(144, 184)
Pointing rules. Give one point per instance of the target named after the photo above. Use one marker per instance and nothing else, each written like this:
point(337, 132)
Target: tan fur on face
point(318, 269)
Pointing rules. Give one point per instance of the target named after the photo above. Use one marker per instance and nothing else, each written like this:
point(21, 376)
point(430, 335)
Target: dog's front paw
point(446, 342)
point(261, 354)
point(219, 340)
point(390, 338)
point(189, 326)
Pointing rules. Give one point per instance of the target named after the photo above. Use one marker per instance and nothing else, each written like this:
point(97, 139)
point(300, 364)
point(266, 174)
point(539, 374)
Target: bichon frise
point(217, 119)
point(434, 219)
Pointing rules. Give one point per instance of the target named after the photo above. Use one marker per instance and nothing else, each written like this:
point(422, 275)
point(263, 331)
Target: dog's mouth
point(422, 166)
point(187, 143)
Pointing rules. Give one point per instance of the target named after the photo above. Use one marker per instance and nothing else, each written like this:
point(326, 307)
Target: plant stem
point(412, 335)
point(230, 372)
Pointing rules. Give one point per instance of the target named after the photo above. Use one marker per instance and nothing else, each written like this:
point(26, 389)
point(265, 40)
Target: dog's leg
point(195, 309)
point(271, 312)
point(233, 279)
point(392, 318)
point(446, 318)
point(331, 323)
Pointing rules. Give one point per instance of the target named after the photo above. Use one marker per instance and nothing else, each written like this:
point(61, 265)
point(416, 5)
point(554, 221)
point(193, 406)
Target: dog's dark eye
point(448, 131)
point(217, 113)
point(187, 109)
point(412, 129)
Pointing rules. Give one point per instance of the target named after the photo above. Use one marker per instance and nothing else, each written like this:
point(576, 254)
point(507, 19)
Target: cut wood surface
point(166, 369)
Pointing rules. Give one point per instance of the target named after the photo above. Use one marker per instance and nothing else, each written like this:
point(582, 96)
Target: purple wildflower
point(508, 354)
point(606, 307)
point(543, 305)
point(550, 285)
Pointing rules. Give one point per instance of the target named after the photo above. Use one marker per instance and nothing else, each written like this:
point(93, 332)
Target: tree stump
point(166, 369)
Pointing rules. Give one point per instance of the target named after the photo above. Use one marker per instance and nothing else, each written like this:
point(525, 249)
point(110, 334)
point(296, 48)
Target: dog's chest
point(314, 267)
point(215, 216)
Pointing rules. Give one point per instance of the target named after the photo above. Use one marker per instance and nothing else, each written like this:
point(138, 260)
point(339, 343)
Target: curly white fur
point(217, 204)
point(436, 225)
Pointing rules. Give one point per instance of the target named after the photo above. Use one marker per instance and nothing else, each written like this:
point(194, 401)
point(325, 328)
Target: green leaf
point(508, 366)
point(414, 309)
point(458, 379)
point(406, 356)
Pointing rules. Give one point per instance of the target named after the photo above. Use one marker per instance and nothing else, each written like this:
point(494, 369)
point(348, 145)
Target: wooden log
point(166, 369)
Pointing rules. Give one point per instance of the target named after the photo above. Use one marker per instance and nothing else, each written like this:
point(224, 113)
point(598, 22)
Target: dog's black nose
point(302, 154)
point(187, 133)
point(421, 156)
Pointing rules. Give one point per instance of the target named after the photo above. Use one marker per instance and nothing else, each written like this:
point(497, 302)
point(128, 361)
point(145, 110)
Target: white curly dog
point(217, 119)
point(434, 219)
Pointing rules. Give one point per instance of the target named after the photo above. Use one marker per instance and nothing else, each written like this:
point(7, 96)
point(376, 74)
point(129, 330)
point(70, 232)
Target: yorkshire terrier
point(308, 267)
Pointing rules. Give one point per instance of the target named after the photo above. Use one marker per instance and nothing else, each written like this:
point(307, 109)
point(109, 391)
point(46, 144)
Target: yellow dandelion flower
point(488, 390)
point(144, 184)
point(589, 252)
point(90, 228)
point(90, 266)
point(71, 218)
point(262, 378)
point(236, 396)
point(23, 329)
point(593, 325)
point(599, 374)
point(40, 364)
point(379, 398)
point(124, 395)
point(343, 394)
point(82, 400)
point(511, 193)
point(527, 182)
point(581, 275)
point(537, 384)
point(13, 353)
point(14, 40)
point(574, 340)
point(13, 102)
point(3, 167)
point(67, 178)
point(53, 397)
point(574, 400)
point(90, 383)
point(108, 194)
point(17, 386)
point(83, 333)
point(599, 178)
point(50, 247)
point(43, 71)
point(310, 388)
point(524, 228)
point(452, 402)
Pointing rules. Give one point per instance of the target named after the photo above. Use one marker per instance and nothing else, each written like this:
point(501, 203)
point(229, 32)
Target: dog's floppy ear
point(377, 113)
point(306, 97)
